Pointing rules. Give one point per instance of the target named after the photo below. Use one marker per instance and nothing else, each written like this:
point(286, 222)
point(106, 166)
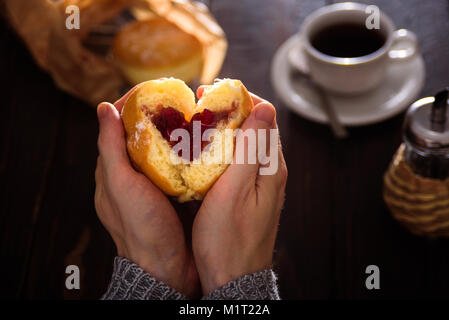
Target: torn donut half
point(184, 163)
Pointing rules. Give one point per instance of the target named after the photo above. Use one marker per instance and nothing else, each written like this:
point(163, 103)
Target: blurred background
point(334, 223)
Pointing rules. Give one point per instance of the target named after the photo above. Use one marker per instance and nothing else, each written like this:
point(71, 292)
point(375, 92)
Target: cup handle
point(296, 57)
point(405, 45)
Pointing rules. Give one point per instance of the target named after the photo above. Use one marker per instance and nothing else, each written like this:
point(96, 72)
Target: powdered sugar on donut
point(140, 126)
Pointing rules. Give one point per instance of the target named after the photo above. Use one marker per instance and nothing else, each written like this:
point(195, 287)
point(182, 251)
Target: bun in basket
point(155, 48)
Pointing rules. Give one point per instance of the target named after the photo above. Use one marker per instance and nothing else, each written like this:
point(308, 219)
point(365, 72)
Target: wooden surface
point(334, 224)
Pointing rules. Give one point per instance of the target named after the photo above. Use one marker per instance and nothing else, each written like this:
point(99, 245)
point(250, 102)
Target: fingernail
point(102, 110)
point(265, 113)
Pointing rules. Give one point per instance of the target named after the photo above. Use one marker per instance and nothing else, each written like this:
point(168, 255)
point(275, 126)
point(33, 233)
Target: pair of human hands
point(233, 232)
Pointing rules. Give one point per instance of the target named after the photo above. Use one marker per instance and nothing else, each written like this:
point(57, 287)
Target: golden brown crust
point(155, 43)
point(138, 148)
point(139, 136)
point(246, 104)
point(245, 107)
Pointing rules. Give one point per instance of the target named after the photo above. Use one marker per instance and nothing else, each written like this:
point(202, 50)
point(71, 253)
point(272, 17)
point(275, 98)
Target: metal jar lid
point(426, 125)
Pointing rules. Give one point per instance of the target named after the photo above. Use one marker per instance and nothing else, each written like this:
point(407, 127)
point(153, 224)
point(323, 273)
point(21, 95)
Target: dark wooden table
point(334, 224)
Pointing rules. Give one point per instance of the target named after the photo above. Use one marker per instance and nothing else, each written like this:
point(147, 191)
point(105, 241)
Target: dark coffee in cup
point(347, 40)
point(342, 55)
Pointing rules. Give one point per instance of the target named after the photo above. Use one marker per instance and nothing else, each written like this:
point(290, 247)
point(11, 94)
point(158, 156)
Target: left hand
point(142, 222)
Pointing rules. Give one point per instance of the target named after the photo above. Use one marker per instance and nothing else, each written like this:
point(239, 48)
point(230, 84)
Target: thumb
point(111, 139)
point(246, 163)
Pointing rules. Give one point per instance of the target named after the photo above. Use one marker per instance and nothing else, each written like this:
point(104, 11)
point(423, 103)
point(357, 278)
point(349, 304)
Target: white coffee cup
point(350, 75)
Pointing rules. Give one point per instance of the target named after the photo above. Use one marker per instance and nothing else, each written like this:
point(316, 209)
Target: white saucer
point(400, 88)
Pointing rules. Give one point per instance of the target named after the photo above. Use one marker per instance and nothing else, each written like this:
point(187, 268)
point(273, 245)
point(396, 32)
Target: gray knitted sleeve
point(130, 282)
point(256, 286)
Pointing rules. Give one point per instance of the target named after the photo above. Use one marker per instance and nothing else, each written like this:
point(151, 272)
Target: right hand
point(143, 224)
point(234, 231)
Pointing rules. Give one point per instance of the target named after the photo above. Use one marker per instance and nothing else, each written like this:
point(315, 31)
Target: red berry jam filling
point(168, 119)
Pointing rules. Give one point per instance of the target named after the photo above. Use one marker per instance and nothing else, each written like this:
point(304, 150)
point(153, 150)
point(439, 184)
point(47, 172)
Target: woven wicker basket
point(420, 204)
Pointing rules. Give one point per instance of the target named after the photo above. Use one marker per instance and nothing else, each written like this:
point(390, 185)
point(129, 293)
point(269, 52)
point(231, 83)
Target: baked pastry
point(158, 107)
point(156, 48)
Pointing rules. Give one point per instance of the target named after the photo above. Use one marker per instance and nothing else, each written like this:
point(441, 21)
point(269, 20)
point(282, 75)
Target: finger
point(121, 102)
point(275, 177)
point(246, 162)
point(111, 139)
point(99, 191)
point(257, 99)
point(98, 173)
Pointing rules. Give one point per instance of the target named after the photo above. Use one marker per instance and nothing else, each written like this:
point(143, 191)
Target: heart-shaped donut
point(157, 108)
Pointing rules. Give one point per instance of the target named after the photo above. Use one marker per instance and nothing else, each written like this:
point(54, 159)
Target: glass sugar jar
point(416, 183)
point(426, 136)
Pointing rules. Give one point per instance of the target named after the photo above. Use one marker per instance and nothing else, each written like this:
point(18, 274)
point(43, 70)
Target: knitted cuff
point(130, 282)
point(256, 286)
